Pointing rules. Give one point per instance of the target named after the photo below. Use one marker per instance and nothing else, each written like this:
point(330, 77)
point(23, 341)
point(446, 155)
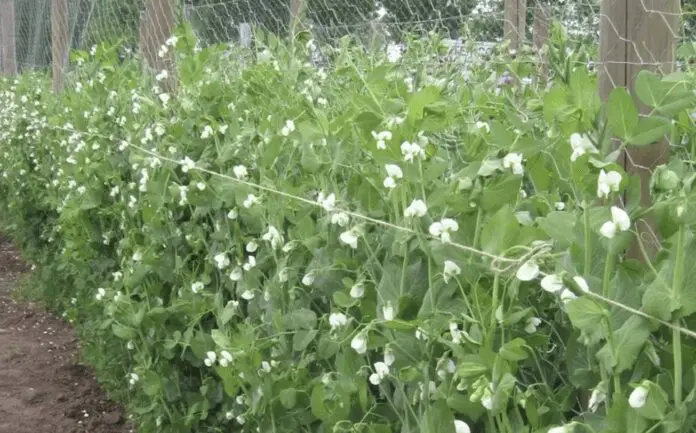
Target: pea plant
point(386, 242)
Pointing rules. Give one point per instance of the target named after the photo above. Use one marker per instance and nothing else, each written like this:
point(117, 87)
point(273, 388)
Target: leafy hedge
point(391, 244)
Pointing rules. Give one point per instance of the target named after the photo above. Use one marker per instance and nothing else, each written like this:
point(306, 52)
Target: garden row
point(388, 244)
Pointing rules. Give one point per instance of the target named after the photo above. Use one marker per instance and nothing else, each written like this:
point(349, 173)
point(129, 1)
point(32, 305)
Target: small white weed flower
point(528, 271)
point(552, 283)
point(638, 397)
point(619, 221)
point(417, 208)
point(443, 228)
point(197, 287)
point(349, 238)
point(240, 172)
point(581, 144)
point(163, 75)
point(513, 161)
point(337, 320)
point(381, 371)
point(451, 270)
point(359, 343)
point(288, 128)
point(608, 183)
point(210, 358)
point(532, 324)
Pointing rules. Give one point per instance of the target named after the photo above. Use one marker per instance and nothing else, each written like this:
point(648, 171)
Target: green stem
point(477, 231)
point(494, 308)
point(608, 272)
point(588, 240)
point(676, 334)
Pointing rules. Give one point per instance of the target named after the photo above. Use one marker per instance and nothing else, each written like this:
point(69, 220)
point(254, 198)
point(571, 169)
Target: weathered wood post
point(59, 41)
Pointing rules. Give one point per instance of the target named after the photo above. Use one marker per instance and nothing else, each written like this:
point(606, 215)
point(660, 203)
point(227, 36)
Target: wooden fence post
point(540, 37)
point(515, 26)
point(638, 35)
point(295, 11)
point(59, 40)
point(8, 53)
point(157, 28)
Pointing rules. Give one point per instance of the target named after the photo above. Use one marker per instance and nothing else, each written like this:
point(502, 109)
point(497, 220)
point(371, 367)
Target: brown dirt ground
point(43, 387)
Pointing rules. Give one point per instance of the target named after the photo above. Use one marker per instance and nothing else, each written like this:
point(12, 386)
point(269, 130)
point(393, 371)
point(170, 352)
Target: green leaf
point(123, 332)
point(627, 343)
point(649, 88)
point(220, 339)
point(622, 114)
point(302, 339)
point(514, 350)
point(589, 317)
point(288, 398)
point(302, 318)
point(438, 418)
point(420, 100)
point(649, 130)
point(559, 226)
point(500, 231)
point(470, 369)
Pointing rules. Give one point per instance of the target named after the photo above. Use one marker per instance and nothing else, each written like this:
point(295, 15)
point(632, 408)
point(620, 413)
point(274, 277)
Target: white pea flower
point(274, 237)
point(197, 287)
point(250, 201)
point(389, 357)
point(164, 97)
point(288, 128)
point(410, 151)
point(240, 172)
point(388, 312)
point(210, 358)
point(349, 238)
point(137, 256)
point(532, 324)
point(443, 228)
point(207, 132)
point(528, 271)
point(236, 274)
point(225, 358)
point(337, 320)
point(200, 186)
point(357, 291)
point(359, 343)
point(240, 419)
point(328, 202)
point(340, 219)
point(250, 263)
point(308, 279)
point(382, 138)
point(394, 173)
point(483, 125)
point(582, 283)
point(187, 164)
point(233, 214)
point(417, 208)
point(487, 399)
point(133, 378)
point(461, 427)
point(567, 295)
point(581, 144)
point(393, 52)
point(559, 205)
point(597, 397)
point(451, 270)
point(638, 397)
point(101, 293)
point(229, 415)
point(248, 295)
point(381, 371)
point(608, 183)
point(252, 246)
point(221, 260)
point(513, 161)
point(552, 283)
point(619, 221)
point(455, 332)
point(130, 345)
point(560, 429)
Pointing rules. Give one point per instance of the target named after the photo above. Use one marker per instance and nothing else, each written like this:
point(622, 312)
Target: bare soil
point(43, 387)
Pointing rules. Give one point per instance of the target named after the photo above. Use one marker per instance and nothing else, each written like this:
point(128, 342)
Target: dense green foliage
point(390, 244)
